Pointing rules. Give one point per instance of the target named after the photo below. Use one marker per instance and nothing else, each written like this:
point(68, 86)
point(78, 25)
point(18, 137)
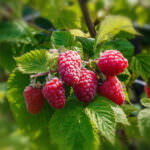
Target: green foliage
point(105, 114)
point(68, 19)
point(62, 38)
point(71, 129)
point(6, 56)
point(145, 102)
point(129, 109)
point(144, 119)
point(33, 62)
point(140, 64)
point(88, 45)
point(16, 31)
point(10, 9)
point(120, 115)
point(143, 122)
point(112, 25)
point(102, 115)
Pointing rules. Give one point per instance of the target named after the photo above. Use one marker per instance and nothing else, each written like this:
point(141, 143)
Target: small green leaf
point(71, 129)
point(120, 115)
point(62, 38)
point(88, 45)
point(144, 123)
point(112, 25)
point(33, 62)
point(140, 64)
point(52, 60)
point(145, 102)
point(102, 115)
point(77, 32)
point(129, 108)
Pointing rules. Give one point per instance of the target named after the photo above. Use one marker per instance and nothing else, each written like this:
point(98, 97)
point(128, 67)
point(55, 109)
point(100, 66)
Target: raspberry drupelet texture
point(54, 92)
point(34, 99)
point(112, 89)
point(112, 63)
point(69, 67)
point(85, 90)
point(147, 91)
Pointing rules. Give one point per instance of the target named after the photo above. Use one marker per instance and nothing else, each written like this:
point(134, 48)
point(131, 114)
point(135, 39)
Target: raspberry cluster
point(112, 63)
point(84, 82)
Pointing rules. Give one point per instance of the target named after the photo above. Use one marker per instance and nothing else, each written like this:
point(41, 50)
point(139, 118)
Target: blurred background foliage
point(28, 24)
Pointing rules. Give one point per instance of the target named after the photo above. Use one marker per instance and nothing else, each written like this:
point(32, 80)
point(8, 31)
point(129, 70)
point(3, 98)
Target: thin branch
point(87, 18)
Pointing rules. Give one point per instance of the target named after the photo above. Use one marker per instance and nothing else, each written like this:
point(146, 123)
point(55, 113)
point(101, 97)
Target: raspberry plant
point(70, 81)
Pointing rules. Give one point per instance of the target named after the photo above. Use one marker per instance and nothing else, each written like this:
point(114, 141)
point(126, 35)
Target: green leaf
point(140, 64)
point(129, 108)
point(71, 129)
point(30, 124)
point(102, 115)
point(15, 32)
point(88, 45)
point(62, 38)
point(112, 25)
point(68, 18)
point(120, 115)
point(145, 102)
point(132, 130)
point(77, 32)
point(33, 62)
point(144, 123)
point(6, 56)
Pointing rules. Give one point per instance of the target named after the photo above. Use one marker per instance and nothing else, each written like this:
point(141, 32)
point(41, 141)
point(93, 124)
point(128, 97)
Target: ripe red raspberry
point(34, 99)
point(69, 67)
point(147, 91)
point(112, 63)
point(112, 89)
point(54, 92)
point(85, 90)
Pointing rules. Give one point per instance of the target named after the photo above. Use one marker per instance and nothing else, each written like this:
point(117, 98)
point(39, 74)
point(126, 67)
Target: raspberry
point(54, 92)
point(112, 63)
point(69, 67)
point(85, 90)
point(34, 99)
point(147, 91)
point(112, 89)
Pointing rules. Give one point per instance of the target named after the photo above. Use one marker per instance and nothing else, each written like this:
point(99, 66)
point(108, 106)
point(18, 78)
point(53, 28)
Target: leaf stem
point(88, 20)
point(42, 74)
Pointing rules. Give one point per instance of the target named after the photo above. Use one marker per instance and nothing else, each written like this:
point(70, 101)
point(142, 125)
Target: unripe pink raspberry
point(112, 63)
point(85, 90)
point(112, 89)
point(54, 92)
point(34, 99)
point(69, 67)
